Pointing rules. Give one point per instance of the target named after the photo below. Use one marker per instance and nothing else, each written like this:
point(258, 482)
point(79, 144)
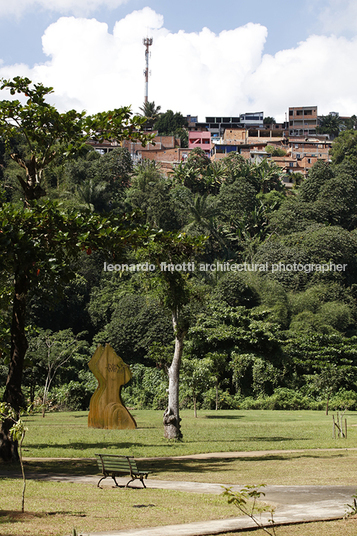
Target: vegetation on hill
point(266, 309)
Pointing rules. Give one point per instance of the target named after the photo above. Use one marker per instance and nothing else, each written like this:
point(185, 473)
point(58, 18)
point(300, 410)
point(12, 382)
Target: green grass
point(55, 508)
point(67, 434)
point(303, 468)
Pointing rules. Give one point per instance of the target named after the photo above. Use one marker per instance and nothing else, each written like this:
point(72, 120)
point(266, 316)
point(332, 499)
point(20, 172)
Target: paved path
point(292, 504)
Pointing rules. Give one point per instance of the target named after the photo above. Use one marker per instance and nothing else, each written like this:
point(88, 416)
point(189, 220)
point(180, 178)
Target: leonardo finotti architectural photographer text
point(226, 267)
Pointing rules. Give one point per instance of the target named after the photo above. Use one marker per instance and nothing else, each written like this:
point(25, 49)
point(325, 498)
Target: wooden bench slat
point(115, 464)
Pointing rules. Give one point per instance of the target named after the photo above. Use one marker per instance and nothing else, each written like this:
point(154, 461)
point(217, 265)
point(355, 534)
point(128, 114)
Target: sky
point(208, 58)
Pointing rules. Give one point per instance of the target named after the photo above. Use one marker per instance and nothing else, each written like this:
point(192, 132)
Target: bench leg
point(103, 477)
point(136, 478)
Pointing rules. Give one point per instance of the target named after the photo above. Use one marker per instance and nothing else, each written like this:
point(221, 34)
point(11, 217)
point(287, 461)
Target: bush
point(225, 400)
point(146, 389)
point(73, 396)
point(283, 399)
point(344, 399)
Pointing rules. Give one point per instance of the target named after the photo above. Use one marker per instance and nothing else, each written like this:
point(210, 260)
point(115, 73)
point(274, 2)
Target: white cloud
point(338, 16)
point(196, 73)
point(319, 71)
point(77, 7)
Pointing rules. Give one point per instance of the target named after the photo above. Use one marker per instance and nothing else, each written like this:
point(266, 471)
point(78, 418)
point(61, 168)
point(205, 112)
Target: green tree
point(151, 112)
point(199, 174)
point(150, 192)
point(17, 430)
point(174, 292)
point(217, 367)
point(319, 174)
point(235, 331)
point(51, 351)
point(50, 134)
point(345, 147)
point(99, 181)
point(38, 242)
point(326, 361)
point(170, 122)
point(269, 120)
point(351, 122)
point(330, 124)
point(275, 151)
point(196, 375)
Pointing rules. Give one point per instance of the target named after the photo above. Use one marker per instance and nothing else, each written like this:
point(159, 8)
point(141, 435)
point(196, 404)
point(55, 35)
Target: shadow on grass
point(107, 445)
point(217, 465)
point(275, 438)
point(267, 439)
point(15, 516)
point(157, 467)
point(224, 417)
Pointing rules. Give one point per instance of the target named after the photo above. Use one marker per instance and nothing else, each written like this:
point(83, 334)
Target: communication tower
point(147, 41)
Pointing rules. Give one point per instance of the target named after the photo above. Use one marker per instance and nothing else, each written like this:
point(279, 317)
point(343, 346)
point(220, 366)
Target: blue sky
point(20, 36)
point(253, 56)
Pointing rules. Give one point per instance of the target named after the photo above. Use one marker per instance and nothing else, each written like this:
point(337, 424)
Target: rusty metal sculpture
point(106, 409)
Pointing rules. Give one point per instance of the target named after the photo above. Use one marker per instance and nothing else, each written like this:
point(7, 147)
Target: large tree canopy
point(38, 242)
point(49, 133)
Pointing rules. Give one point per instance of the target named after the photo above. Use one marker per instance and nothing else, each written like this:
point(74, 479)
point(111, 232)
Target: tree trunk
point(13, 393)
point(172, 428)
point(194, 405)
point(327, 404)
point(216, 395)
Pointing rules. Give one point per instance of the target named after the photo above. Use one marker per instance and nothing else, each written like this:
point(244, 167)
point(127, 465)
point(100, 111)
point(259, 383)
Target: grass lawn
point(55, 508)
point(67, 434)
point(288, 469)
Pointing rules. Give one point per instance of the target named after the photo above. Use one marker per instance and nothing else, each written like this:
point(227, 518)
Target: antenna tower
point(147, 41)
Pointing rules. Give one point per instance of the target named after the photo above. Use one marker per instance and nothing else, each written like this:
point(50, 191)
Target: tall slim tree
point(170, 281)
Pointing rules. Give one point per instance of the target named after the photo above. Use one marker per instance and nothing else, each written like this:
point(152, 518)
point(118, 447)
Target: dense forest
point(270, 296)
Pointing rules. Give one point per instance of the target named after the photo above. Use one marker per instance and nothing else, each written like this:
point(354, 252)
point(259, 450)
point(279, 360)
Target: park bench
point(114, 465)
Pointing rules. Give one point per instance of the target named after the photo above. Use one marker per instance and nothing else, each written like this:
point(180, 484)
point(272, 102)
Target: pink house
point(200, 139)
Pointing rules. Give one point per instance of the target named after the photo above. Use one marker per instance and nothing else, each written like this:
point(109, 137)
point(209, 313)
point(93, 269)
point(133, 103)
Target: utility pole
point(147, 43)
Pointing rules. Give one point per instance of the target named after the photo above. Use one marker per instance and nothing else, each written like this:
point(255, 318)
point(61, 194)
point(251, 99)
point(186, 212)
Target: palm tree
point(151, 112)
point(92, 195)
point(201, 213)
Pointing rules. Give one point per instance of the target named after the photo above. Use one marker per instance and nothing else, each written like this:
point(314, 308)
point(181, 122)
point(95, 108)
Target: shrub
point(282, 398)
point(344, 399)
point(147, 388)
point(225, 399)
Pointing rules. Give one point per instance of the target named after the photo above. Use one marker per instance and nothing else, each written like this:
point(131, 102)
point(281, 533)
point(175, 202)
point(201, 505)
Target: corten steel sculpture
point(106, 409)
